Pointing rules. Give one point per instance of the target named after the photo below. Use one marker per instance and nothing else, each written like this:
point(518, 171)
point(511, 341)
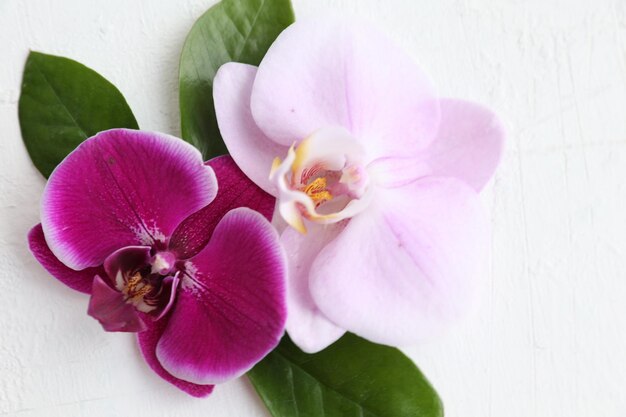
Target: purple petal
point(328, 72)
point(230, 309)
point(108, 306)
point(76, 280)
point(407, 264)
point(169, 290)
point(148, 341)
point(235, 190)
point(247, 144)
point(122, 188)
point(307, 326)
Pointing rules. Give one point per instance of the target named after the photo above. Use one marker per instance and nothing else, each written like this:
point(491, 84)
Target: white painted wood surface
point(550, 336)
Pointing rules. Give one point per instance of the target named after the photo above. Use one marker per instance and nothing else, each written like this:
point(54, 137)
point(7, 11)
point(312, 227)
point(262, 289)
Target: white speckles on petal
point(186, 282)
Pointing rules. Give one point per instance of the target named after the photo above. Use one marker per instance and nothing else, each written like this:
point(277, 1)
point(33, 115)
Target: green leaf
point(232, 30)
point(352, 377)
point(63, 103)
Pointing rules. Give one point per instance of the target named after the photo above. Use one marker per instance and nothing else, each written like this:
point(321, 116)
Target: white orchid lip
point(323, 179)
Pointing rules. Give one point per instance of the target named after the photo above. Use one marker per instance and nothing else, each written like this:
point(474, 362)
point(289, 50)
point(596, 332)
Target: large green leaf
point(232, 30)
point(63, 103)
point(353, 377)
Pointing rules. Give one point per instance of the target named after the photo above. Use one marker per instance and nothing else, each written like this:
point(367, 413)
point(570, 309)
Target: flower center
point(322, 180)
point(144, 281)
point(142, 289)
point(138, 279)
point(137, 287)
point(316, 190)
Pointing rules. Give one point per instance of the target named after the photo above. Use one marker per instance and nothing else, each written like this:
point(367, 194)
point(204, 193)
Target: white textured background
point(550, 336)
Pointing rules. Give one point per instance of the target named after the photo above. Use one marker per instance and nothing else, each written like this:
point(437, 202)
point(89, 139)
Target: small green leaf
point(62, 103)
point(353, 377)
point(232, 30)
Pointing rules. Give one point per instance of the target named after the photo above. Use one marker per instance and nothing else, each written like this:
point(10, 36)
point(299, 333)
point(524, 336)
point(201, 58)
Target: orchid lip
point(323, 179)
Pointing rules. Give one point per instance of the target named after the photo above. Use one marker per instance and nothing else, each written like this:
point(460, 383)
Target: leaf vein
point(63, 105)
point(360, 407)
point(252, 25)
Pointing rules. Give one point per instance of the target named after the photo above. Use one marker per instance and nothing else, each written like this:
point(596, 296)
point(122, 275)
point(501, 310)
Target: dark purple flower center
point(147, 284)
point(141, 281)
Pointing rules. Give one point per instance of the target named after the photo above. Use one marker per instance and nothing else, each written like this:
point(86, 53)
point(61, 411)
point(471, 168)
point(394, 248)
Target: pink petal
point(109, 307)
point(397, 171)
point(230, 310)
point(405, 266)
point(148, 341)
point(235, 190)
point(468, 145)
point(246, 143)
point(76, 280)
point(307, 326)
point(329, 72)
point(121, 188)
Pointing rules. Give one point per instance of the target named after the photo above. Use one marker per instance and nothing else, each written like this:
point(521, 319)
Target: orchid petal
point(247, 144)
point(77, 280)
point(307, 326)
point(148, 341)
point(468, 146)
point(169, 288)
point(122, 188)
point(109, 307)
point(230, 309)
point(235, 190)
point(409, 263)
point(321, 73)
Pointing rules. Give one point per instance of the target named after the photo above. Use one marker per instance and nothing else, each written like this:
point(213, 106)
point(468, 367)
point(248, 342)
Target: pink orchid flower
point(377, 177)
point(136, 220)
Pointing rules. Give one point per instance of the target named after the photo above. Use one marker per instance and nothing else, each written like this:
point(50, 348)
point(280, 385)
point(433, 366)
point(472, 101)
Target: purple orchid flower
point(136, 220)
point(377, 177)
